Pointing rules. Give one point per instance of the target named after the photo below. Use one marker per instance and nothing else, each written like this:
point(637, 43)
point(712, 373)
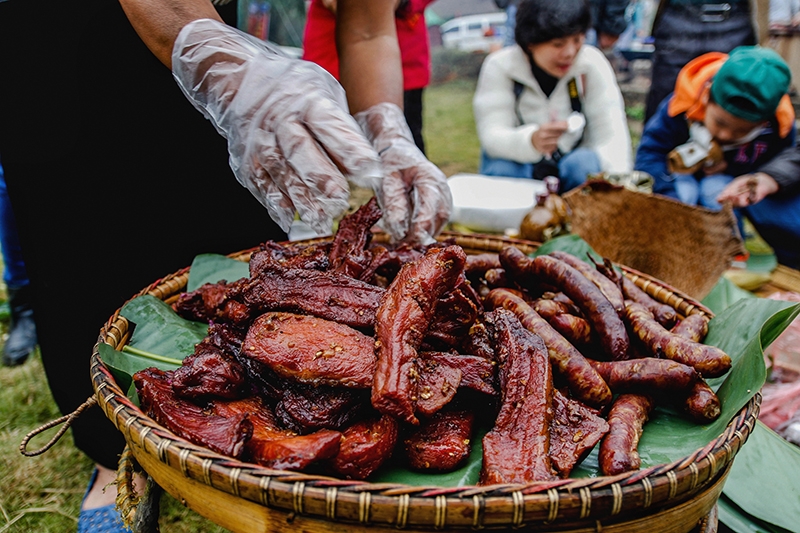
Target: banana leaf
point(211, 268)
point(724, 294)
point(764, 484)
point(160, 338)
point(739, 522)
point(742, 330)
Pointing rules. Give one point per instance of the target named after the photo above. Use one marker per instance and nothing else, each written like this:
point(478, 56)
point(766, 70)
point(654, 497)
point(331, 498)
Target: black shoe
point(22, 334)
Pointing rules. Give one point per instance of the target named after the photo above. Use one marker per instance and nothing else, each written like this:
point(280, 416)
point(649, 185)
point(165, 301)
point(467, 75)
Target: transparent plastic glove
point(414, 194)
point(290, 136)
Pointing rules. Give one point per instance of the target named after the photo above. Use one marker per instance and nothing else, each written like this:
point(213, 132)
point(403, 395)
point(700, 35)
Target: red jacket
point(319, 43)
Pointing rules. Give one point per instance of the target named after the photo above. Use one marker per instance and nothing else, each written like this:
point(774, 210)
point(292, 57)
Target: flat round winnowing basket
point(243, 497)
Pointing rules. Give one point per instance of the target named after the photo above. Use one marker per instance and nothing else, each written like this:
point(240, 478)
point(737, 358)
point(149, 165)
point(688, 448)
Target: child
point(727, 133)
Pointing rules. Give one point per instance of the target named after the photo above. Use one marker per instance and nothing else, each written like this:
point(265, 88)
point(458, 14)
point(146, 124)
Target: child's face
point(726, 128)
point(557, 55)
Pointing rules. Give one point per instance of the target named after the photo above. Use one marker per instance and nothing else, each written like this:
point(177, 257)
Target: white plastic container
point(492, 204)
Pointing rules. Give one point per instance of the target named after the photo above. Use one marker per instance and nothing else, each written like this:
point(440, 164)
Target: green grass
point(451, 141)
point(43, 494)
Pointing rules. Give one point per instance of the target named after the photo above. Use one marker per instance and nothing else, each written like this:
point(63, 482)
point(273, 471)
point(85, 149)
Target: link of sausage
point(701, 404)
point(610, 289)
point(573, 328)
point(646, 375)
point(596, 308)
point(693, 327)
point(478, 264)
point(584, 382)
point(709, 361)
point(619, 448)
point(664, 314)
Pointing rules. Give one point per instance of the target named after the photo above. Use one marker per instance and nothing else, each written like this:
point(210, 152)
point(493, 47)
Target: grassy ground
point(43, 494)
point(451, 141)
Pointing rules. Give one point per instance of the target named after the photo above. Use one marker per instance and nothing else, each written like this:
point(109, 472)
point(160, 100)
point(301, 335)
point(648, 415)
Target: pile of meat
point(338, 357)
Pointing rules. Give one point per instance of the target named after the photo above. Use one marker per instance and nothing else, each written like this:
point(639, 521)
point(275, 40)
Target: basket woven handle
point(66, 420)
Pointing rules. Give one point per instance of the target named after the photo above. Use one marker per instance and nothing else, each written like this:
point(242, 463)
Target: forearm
point(370, 68)
point(158, 22)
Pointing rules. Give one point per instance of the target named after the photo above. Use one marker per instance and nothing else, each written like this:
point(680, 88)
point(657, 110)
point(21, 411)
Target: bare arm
point(370, 68)
point(158, 22)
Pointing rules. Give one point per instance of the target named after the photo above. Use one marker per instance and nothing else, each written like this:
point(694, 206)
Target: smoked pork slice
point(517, 449)
point(225, 435)
point(274, 447)
point(311, 350)
point(440, 443)
point(575, 430)
point(365, 446)
point(402, 320)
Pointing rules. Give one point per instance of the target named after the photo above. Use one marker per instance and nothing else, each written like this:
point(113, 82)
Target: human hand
point(748, 189)
point(414, 194)
point(291, 139)
point(545, 139)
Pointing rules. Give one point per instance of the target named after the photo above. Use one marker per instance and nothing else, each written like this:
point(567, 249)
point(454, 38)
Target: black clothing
point(115, 180)
point(546, 81)
point(683, 32)
point(412, 109)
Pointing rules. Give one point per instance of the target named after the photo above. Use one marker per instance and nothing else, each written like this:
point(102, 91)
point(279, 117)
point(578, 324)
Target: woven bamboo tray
point(244, 497)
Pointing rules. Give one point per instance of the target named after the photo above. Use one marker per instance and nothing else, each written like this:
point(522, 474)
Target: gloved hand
point(414, 194)
point(291, 139)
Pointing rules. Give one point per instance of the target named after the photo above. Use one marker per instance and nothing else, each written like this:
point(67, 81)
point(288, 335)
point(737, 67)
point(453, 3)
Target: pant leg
point(710, 187)
point(576, 165)
point(686, 189)
point(14, 275)
point(777, 221)
point(491, 166)
point(412, 109)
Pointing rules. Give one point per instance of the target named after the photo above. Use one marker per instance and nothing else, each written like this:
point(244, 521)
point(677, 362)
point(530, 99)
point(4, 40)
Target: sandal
point(104, 519)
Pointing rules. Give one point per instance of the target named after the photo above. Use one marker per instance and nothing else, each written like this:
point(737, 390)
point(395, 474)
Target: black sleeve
point(785, 169)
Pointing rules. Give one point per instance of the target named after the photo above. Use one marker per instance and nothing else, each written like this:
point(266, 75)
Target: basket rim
point(562, 501)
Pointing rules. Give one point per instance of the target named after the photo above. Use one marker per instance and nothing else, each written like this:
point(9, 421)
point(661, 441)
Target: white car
point(475, 33)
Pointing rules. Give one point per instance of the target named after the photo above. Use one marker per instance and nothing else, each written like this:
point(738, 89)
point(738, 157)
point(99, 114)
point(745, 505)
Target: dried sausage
point(583, 380)
point(693, 327)
point(664, 314)
point(619, 448)
point(646, 375)
point(596, 308)
point(708, 360)
point(608, 287)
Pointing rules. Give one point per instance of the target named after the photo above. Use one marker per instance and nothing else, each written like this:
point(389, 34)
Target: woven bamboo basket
point(678, 497)
point(656, 234)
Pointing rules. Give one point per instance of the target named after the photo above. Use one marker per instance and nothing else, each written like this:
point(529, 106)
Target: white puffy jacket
point(501, 135)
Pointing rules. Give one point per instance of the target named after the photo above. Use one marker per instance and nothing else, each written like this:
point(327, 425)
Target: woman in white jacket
point(550, 105)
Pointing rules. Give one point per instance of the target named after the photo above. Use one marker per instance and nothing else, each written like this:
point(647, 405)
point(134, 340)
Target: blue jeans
point(573, 167)
point(775, 218)
point(14, 275)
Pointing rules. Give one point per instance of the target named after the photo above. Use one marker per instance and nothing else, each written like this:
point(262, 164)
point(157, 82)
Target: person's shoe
point(22, 334)
point(104, 519)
